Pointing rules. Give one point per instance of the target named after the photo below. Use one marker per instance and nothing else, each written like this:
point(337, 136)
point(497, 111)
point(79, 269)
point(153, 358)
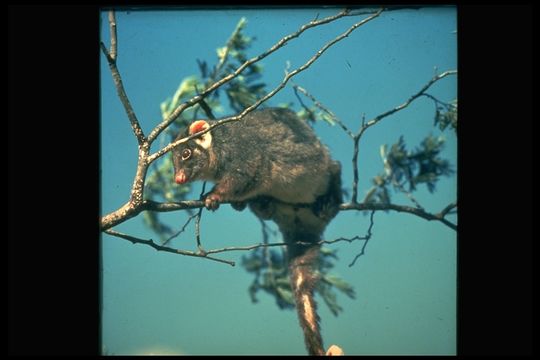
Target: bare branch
point(439, 102)
point(163, 125)
point(194, 204)
point(366, 238)
point(375, 120)
point(399, 208)
point(406, 192)
point(348, 206)
point(124, 213)
point(158, 129)
point(323, 108)
point(306, 108)
point(129, 210)
point(151, 243)
point(356, 141)
point(411, 99)
point(366, 9)
point(182, 229)
point(446, 210)
point(111, 59)
point(151, 205)
point(201, 254)
point(136, 204)
point(167, 148)
point(112, 26)
point(245, 248)
point(204, 253)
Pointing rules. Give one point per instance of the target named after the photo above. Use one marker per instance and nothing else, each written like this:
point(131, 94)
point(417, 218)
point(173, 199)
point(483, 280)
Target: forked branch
point(135, 203)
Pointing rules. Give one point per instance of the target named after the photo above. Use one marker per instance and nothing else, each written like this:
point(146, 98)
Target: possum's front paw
point(211, 202)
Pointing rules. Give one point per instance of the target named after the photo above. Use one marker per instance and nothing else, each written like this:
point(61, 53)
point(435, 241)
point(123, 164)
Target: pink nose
point(180, 178)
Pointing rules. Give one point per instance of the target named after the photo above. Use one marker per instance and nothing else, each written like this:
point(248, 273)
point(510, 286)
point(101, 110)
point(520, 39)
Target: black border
point(53, 174)
point(53, 101)
point(495, 172)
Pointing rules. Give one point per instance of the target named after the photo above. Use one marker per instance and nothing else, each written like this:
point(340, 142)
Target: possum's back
point(299, 163)
point(278, 124)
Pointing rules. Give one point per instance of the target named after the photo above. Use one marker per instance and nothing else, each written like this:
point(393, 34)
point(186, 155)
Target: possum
point(271, 161)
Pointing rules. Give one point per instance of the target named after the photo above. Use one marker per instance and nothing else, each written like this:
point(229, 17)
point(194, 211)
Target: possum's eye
point(186, 154)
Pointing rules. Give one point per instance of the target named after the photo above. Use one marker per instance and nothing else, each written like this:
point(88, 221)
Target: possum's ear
point(204, 140)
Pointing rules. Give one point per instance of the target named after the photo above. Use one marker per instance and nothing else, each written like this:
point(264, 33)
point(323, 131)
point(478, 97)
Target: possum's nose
point(180, 177)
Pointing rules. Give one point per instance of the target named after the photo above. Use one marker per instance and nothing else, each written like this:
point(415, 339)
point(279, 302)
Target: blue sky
point(157, 302)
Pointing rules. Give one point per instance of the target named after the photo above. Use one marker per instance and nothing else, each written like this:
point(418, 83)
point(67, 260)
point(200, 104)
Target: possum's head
point(192, 160)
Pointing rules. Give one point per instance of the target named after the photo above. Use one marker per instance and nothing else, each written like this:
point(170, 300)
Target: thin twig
point(366, 238)
point(446, 210)
point(205, 254)
point(379, 117)
point(448, 106)
point(135, 204)
point(180, 231)
point(306, 108)
point(245, 248)
point(375, 120)
point(167, 148)
point(356, 141)
point(149, 205)
point(399, 208)
point(323, 108)
point(198, 221)
point(405, 191)
point(111, 59)
point(265, 244)
point(282, 42)
point(158, 247)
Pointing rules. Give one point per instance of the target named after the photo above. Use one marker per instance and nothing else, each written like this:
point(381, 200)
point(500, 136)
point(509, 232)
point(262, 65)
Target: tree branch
point(379, 117)
point(135, 204)
point(446, 210)
point(151, 243)
point(323, 108)
point(129, 210)
point(204, 253)
point(366, 238)
point(112, 27)
point(111, 59)
point(359, 9)
point(400, 208)
point(282, 42)
point(376, 119)
point(149, 205)
point(356, 142)
point(171, 145)
point(182, 229)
